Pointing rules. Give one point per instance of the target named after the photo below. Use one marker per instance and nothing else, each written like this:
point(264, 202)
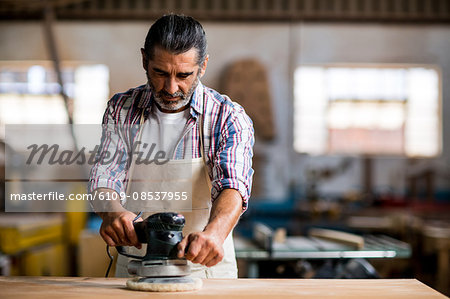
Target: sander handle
point(122, 251)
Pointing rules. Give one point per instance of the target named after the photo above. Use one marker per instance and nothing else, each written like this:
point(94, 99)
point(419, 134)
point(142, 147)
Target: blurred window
point(29, 93)
point(382, 110)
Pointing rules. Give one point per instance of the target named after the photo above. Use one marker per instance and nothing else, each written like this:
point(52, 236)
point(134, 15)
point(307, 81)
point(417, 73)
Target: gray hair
point(176, 34)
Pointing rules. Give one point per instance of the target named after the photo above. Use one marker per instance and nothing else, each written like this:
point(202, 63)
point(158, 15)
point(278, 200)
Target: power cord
point(111, 258)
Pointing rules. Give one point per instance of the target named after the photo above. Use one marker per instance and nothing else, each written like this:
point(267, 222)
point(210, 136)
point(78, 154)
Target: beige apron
point(167, 177)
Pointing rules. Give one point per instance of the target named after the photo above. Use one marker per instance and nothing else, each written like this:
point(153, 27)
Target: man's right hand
point(117, 228)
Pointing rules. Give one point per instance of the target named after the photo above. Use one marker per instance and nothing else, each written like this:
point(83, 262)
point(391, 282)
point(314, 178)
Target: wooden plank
point(98, 288)
point(338, 236)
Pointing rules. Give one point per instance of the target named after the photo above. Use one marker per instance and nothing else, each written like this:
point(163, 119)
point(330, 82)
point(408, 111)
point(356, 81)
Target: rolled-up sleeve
point(232, 165)
point(110, 167)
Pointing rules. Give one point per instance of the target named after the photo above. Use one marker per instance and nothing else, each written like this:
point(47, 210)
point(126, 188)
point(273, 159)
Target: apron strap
point(131, 170)
point(202, 152)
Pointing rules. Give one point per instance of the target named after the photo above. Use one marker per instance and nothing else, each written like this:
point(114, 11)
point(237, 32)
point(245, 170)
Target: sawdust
point(165, 286)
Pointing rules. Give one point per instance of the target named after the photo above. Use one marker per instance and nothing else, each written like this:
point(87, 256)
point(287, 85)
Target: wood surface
point(84, 287)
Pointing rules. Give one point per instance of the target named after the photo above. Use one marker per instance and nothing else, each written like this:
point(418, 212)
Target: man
point(218, 131)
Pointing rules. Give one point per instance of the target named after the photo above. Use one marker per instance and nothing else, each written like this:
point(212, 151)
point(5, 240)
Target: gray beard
point(184, 100)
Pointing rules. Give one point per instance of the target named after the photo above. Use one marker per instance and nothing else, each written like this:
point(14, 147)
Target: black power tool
point(161, 232)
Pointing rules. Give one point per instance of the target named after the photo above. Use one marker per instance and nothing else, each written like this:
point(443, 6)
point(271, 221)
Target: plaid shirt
point(228, 139)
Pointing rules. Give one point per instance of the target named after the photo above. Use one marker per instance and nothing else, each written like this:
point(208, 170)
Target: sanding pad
point(165, 284)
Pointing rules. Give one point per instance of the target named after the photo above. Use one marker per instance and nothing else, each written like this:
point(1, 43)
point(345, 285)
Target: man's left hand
point(206, 247)
point(202, 248)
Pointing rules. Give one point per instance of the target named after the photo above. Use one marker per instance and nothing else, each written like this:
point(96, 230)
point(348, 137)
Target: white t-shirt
point(164, 130)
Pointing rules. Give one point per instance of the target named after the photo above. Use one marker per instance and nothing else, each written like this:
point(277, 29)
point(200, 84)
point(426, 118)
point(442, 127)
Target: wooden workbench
point(83, 287)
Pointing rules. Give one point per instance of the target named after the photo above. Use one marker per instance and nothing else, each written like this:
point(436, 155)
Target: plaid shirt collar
point(197, 102)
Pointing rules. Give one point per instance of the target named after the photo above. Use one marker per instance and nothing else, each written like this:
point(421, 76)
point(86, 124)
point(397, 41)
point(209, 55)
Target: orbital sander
point(160, 269)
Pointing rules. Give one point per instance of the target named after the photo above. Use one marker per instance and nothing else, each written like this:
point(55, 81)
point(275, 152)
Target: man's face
point(173, 77)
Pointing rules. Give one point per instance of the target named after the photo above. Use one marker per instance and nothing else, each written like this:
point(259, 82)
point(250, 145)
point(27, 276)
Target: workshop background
point(351, 109)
